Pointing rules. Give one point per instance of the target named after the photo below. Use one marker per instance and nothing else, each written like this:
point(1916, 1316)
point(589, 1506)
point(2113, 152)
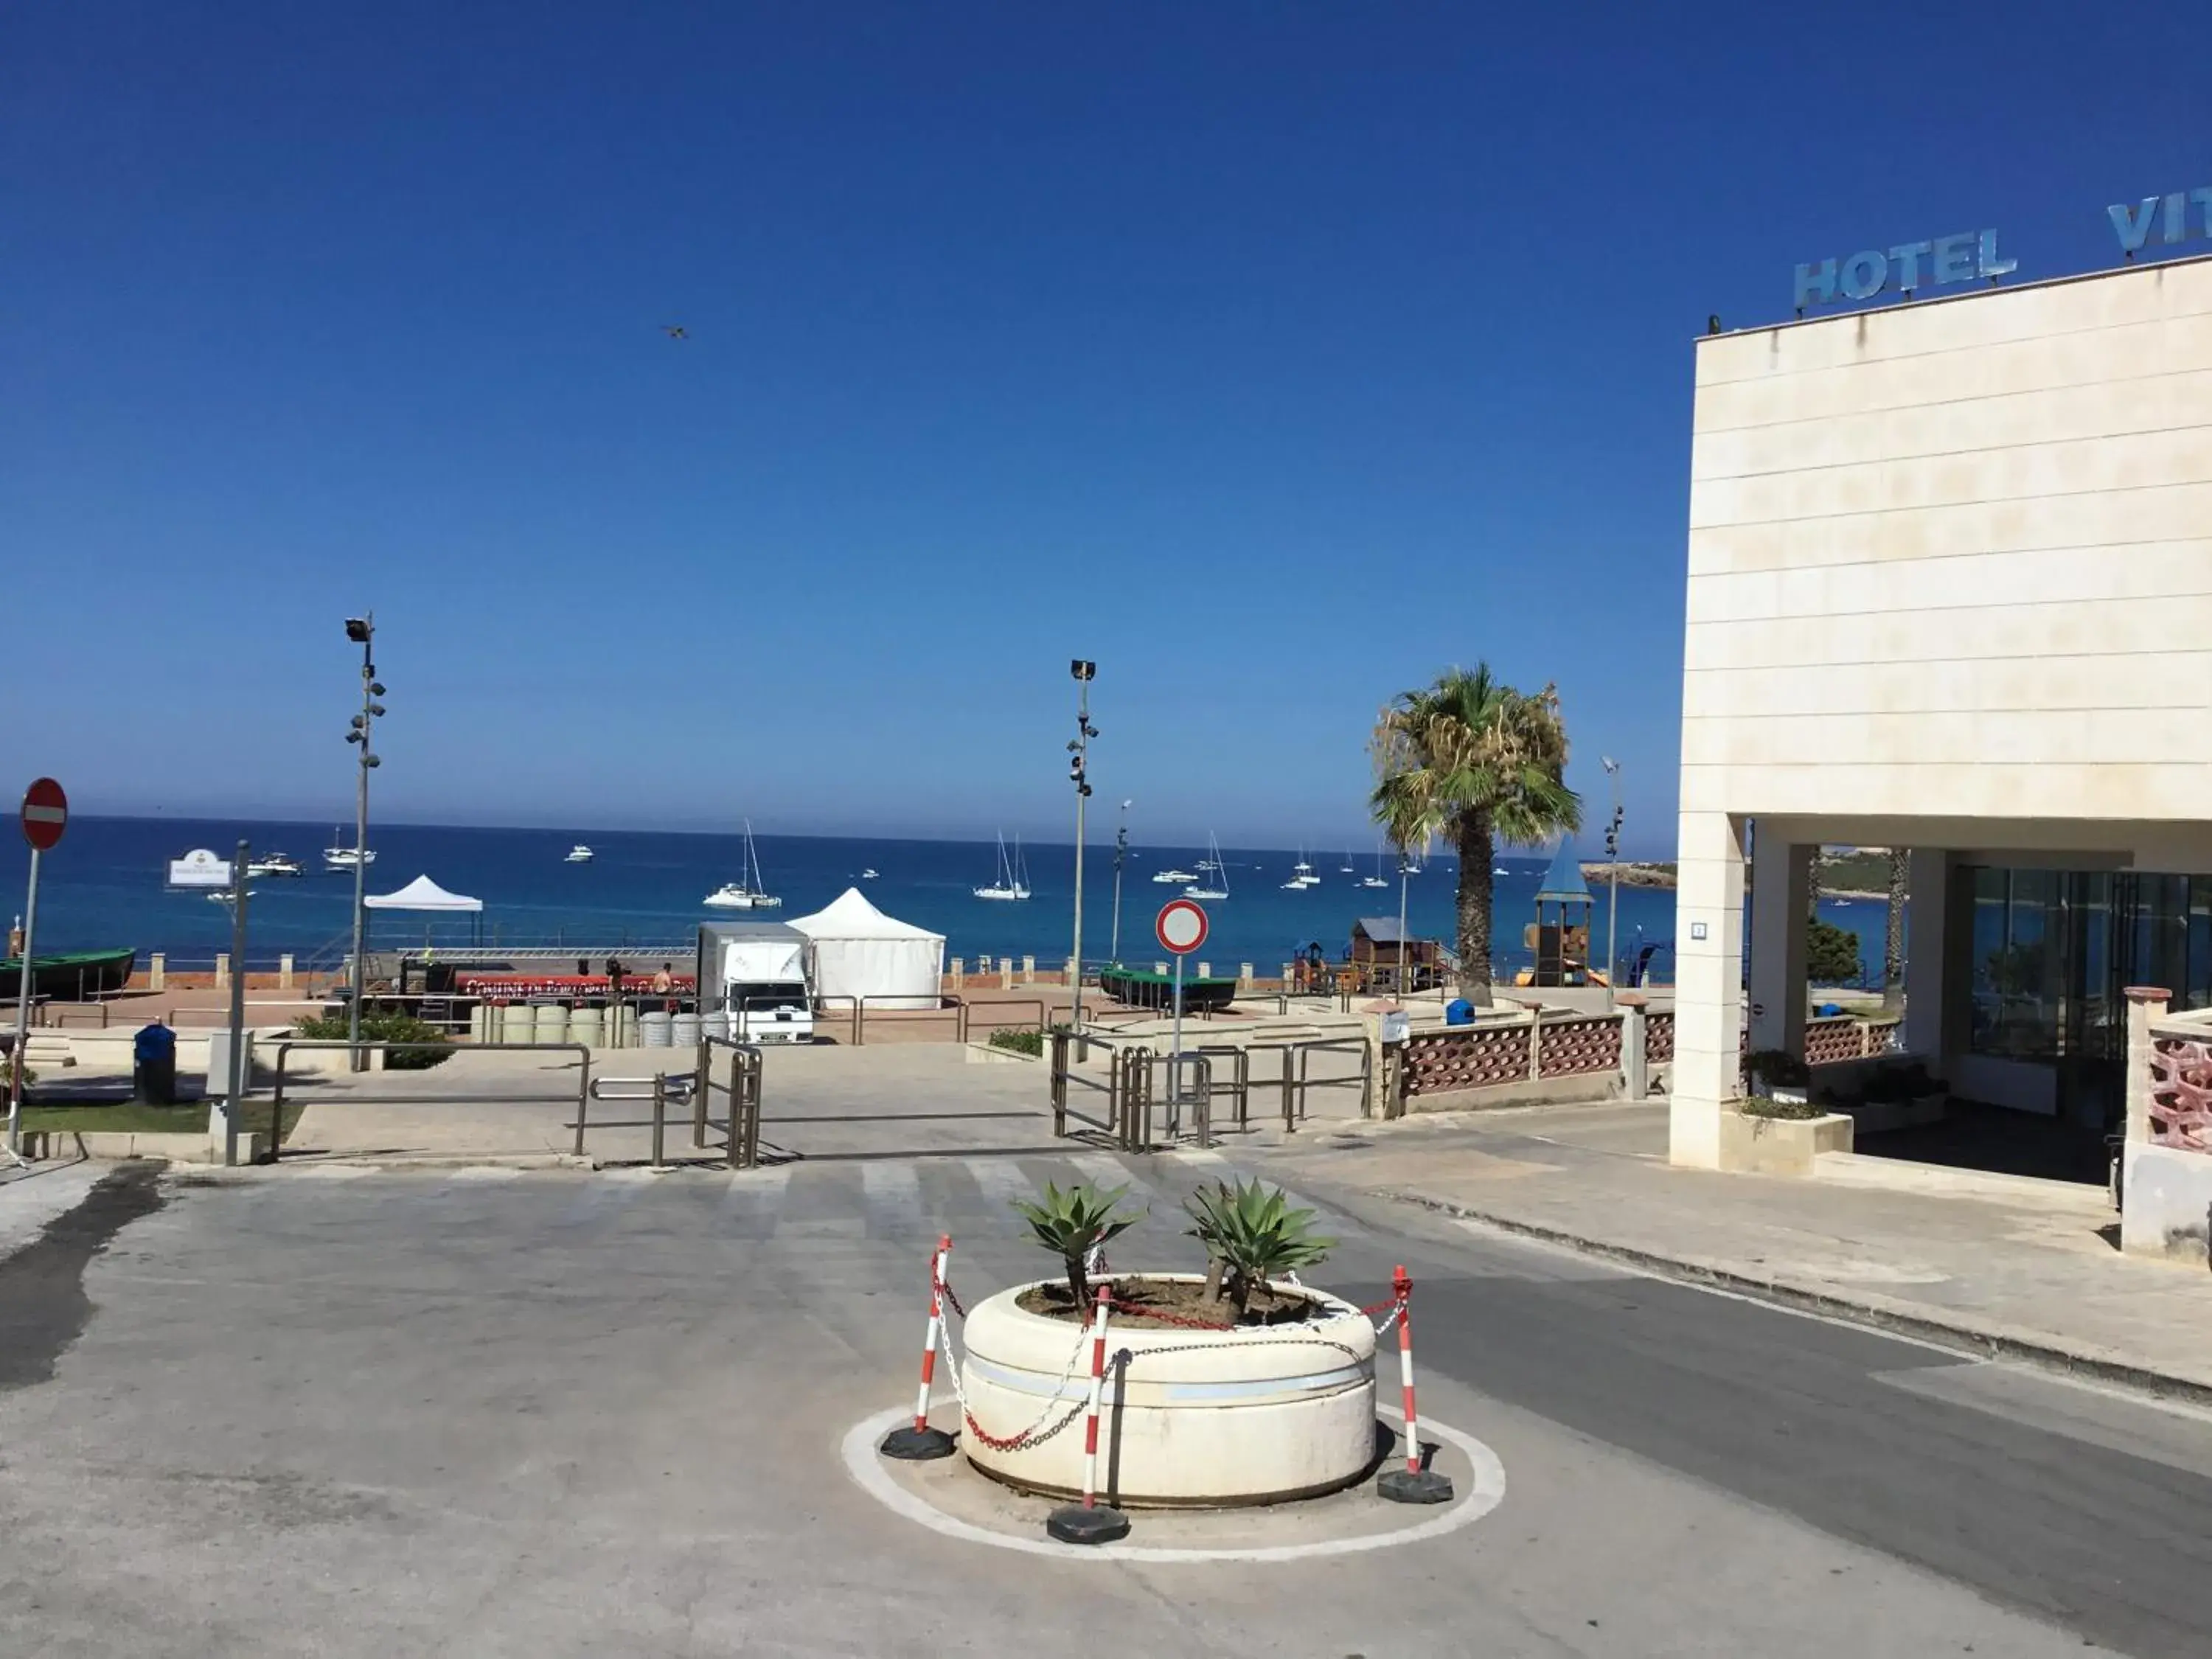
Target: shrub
point(1775, 1068)
point(1251, 1234)
point(1021, 1042)
point(381, 1028)
point(1073, 1224)
point(1831, 954)
point(1789, 1109)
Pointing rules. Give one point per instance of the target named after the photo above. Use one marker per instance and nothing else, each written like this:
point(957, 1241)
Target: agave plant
point(1073, 1224)
point(1251, 1234)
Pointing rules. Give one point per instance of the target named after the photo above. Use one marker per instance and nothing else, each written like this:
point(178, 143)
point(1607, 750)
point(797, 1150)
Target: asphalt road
point(494, 1412)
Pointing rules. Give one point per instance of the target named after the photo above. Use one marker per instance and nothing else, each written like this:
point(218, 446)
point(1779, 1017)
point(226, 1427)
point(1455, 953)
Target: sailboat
point(336, 857)
point(1344, 868)
point(1012, 881)
point(1213, 862)
point(1375, 880)
point(1302, 875)
point(749, 892)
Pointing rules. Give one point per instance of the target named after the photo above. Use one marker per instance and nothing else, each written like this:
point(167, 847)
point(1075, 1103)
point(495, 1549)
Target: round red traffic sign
point(1180, 927)
point(45, 814)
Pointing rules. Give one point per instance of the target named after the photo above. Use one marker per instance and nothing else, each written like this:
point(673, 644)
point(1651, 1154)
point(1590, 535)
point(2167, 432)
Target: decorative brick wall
point(1658, 1038)
point(1569, 1047)
point(1469, 1057)
point(2181, 1093)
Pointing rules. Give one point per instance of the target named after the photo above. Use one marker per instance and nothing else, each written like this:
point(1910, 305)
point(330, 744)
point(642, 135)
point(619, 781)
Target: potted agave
point(1230, 1385)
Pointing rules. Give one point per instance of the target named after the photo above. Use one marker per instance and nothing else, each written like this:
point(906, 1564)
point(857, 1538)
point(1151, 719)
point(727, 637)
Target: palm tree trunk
point(1476, 857)
point(1893, 946)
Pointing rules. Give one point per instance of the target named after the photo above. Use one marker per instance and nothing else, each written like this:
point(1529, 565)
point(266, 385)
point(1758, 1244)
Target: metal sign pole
point(1175, 1057)
point(236, 1086)
point(22, 1017)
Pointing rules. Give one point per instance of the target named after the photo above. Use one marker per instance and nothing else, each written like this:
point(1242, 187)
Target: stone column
point(1289, 974)
point(1206, 970)
point(222, 971)
point(2145, 1003)
point(956, 973)
point(157, 971)
point(284, 972)
point(1635, 1066)
point(1925, 946)
point(1708, 984)
point(1781, 883)
point(1029, 970)
point(1243, 975)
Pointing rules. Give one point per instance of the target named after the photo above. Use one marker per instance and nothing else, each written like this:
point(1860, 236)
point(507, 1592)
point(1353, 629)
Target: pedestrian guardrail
point(286, 1047)
point(741, 1090)
point(856, 1013)
point(1132, 1089)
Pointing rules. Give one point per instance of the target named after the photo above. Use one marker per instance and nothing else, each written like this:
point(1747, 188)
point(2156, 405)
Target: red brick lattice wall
point(1658, 1038)
point(2181, 1094)
point(1569, 1047)
point(1438, 1062)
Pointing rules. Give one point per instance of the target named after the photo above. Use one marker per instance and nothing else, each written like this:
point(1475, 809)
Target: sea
point(105, 887)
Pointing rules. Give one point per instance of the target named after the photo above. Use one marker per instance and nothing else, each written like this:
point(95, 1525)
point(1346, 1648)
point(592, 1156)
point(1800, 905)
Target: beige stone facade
point(1949, 588)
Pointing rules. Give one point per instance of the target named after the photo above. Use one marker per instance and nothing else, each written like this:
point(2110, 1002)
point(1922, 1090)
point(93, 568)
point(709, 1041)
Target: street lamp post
point(1613, 880)
point(1082, 673)
point(1120, 857)
point(361, 630)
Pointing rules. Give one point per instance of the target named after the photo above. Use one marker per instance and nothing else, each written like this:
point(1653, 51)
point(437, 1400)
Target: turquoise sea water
point(104, 886)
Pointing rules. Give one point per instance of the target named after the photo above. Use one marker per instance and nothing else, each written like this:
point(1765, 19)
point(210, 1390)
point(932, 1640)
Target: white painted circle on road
point(866, 1466)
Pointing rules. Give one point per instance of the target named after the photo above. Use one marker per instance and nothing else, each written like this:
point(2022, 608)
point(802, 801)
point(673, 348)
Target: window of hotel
point(2020, 974)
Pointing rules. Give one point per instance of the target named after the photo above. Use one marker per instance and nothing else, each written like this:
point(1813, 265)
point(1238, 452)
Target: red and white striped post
point(1413, 1484)
point(921, 1443)
point(1090, 1521)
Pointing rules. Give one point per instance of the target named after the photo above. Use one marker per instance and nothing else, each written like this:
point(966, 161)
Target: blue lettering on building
point(2178, 217)
point(1960, 258)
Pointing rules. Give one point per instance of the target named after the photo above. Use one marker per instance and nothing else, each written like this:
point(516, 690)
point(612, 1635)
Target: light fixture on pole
point(361, 630)
point(1079, 766)
point(1613, 878)
point(1121, 856)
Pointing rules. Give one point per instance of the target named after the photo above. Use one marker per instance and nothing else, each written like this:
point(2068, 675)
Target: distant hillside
point(1856, 870)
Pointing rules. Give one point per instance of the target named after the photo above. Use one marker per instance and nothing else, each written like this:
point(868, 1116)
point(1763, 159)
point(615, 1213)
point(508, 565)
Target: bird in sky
point(676, 331)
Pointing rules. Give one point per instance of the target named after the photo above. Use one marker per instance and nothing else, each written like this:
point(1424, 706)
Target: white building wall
point(1950, 567)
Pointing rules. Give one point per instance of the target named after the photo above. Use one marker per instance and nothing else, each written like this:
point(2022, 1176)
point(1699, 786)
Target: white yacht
point(1219, 889)
point(749, 892)
point(1174, 876)
point(868, 874)
point(336, 857)
point(579, 853)
point(275, 864)
point(1302, 873)
point(1012, 881)
point(225, 896)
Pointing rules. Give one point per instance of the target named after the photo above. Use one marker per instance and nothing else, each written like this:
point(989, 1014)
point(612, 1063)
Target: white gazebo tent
point(859, 951)
point(424, 894)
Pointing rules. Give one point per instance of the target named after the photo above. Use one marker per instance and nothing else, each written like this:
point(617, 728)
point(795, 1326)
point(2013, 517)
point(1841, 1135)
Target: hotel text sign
point(1969, 254)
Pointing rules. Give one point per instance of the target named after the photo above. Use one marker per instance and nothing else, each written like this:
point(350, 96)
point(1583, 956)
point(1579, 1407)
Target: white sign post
point(44, 816)
point(1181, 928)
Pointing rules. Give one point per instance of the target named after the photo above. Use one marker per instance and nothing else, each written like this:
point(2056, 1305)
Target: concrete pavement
point(335, 1411)
point(2026, 1267)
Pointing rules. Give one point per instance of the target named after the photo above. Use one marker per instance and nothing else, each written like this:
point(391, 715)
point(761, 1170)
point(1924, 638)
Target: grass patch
point(134, 1117)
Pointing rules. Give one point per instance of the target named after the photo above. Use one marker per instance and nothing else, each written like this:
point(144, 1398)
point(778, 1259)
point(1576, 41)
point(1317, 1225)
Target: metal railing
point(656, 1089)
point(352, 1097)
point(857, 1018)
point(742, 1090)
point(1133, 1074)
point(1298, 1082)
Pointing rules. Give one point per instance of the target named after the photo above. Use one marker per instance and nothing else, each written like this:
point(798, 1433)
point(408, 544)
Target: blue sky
point(1275, 356)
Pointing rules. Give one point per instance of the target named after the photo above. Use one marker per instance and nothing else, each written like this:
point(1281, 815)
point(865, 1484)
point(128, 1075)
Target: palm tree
point(1893, 945)
point(1474, 760)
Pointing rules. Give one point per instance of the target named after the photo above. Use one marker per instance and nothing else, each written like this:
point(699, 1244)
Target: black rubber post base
point(1072, 1523)
point(912, 1445)
point(1414, 1486)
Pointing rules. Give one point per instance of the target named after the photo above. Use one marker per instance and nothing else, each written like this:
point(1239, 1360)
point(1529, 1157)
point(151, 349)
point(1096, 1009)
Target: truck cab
point(757, 973)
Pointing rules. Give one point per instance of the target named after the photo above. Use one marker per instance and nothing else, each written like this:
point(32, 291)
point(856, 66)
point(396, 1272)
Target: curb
point(1961, 1333)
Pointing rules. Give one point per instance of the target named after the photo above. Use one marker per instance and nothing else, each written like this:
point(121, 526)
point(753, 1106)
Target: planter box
point(982, 1054)
point(1220, 1419)
point(2166, 1202)
point(1781, 1145)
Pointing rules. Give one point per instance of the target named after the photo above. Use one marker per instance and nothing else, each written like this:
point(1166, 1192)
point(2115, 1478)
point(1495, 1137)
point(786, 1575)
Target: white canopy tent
point(859, 951)
point(422, 894)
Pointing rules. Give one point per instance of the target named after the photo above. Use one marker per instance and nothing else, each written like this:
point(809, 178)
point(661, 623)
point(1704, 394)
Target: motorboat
point(868, 874)
point(225, 896)
point(1302, 873)
point(749, 892)
point(1219, 889)
point(275, 864)
point(1011, 881)
point(579, 853)
point(1174, 876)
point(336, 857)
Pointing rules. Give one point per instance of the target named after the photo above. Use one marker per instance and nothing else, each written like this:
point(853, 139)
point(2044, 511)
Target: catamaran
point(749, 892)
point(1213, 862)
point(1012, 881)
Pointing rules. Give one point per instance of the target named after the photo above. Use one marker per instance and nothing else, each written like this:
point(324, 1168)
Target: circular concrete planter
point(1200, 1419)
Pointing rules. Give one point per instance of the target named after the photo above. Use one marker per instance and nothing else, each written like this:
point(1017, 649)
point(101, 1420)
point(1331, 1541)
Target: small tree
point(1073, 1224)
point(1251, 1234)
point(1893, 936)
point(1831, 953)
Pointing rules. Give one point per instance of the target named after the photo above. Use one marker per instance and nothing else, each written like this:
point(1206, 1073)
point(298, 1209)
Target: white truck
point(757, 971)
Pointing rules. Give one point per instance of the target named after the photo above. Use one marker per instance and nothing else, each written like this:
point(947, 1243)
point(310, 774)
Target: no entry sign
point(45, 814)
point(1180, 927)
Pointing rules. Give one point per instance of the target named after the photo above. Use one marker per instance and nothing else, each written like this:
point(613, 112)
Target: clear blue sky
point(1276, 357)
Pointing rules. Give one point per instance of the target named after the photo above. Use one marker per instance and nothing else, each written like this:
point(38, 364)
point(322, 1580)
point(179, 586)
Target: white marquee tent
point(422, 894)
point(859, 951)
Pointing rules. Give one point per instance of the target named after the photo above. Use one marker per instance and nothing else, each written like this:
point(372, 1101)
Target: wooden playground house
point(1374, 956)
point(1559, 937)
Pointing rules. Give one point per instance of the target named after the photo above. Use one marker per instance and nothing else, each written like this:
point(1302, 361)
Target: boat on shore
point(71, 975)
point(1143, 988)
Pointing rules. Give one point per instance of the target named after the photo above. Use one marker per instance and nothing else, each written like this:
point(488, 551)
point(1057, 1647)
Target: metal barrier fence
point(1133, 1074)
point(351, 1097)
point(857, 1018)
point(742, 1091)
point(1298, 1083)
